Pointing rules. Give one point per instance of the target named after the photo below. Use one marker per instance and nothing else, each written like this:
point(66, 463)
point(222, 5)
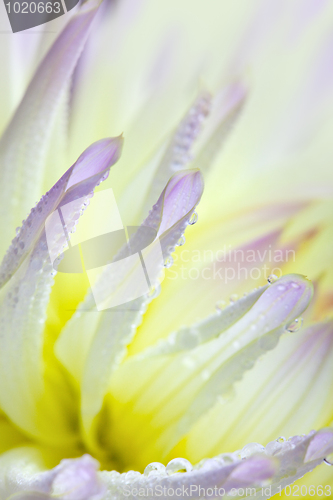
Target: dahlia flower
point(132, 375)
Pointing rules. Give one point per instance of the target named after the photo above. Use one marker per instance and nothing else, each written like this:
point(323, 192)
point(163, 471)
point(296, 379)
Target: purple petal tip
point(95, 159)
point(320, 446)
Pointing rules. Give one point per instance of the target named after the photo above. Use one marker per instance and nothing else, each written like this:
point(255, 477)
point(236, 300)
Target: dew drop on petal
point(181, 241)
point(178, 465)
point(329, 460)
point(272, 278)
point(220, 305)
point(295, 325)
point(154, 291)
point(251, 449)
point(273, 447)
point(281, 288)
point(281, 439)
point(193, 219)
point(233, 298)
point(154, 466)
point(227, 458)
point(168, 262)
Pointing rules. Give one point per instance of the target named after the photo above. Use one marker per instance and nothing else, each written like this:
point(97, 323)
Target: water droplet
point(154, 467)
point(17, 230)
point(294, 440)
point(294, 285)
point(272, 278)
point(281, 439)
point(168, 262)
point(227, 458)
point(328, 461)
point(181, 241)
point(131, 475)
point(220, 305)
point(251, 449)
point(154, 291)
point(193, 219)
point(209, 464)
point(233, 298)
point(281, 288)
point(178, 465)
point(295, 325)
point(273, 447)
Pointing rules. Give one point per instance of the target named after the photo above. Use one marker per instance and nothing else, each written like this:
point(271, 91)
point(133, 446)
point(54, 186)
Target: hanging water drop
point(233, 298)
point(272, 278)
point(154, 291)
point(178, 465)
point(220, 305)
point(168, 262)
point(295, 325)
point(181, 241)
point(154, 467)
point(329, 460)
point(193, 219)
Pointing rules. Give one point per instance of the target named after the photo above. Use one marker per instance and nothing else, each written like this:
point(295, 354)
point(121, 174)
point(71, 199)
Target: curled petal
point(24, 298)
point(264, 473)
point(287, 392)
point(77, 182)
point(170, 386)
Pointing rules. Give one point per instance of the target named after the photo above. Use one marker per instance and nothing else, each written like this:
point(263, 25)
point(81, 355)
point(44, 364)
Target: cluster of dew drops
point(192, 220)
point(181, 465)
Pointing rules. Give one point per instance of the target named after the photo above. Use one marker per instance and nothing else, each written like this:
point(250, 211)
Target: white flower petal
point(24, 143)
point(288, 392)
